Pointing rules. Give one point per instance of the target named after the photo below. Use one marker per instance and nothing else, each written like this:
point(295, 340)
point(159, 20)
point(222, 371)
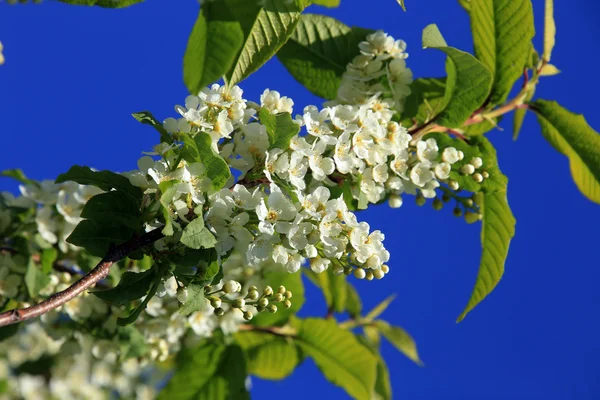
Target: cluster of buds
point(253, 299)
point(473, 168)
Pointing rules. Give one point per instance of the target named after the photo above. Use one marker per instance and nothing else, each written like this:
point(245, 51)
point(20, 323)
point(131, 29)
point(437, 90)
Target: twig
point(98, 273)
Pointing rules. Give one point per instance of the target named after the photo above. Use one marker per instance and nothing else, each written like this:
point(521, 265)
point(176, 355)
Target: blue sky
point(73, 75)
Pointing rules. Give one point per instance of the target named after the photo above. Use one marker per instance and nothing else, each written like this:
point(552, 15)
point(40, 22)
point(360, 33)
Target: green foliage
point(400, 339)
point(199, 149)
point(549, 30)
point(269, 356)
point(502, 33)
point(18, 175)
point(146, 118)
point(327, 3)
point(49, 255)
point(401, 2)
point(293, 283)
point(211, 371)
point(380, 308)
point(468, 83)
point(425, 101)
point(466, 4)
point(105, 180)
point(168, 190)
point(35, 279)
point(195, 301)
point(135, 313)
point(497, 230)
point(103, 3)
point(132, 286)
point(571, 135)
point(519, 115)
point(281, 128)
point(339, 355)
point(212, 46)
point(114, 206)
point(197, 236)
point(318, 51)
point(334, 288)
point(272, 26)
point(353, 302)
point(98, 237)
point(7, 332)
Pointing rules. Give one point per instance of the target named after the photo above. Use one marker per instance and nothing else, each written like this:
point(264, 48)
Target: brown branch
point(98, 273)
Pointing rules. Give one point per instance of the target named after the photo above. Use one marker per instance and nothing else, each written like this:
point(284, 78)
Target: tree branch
point(98, 273)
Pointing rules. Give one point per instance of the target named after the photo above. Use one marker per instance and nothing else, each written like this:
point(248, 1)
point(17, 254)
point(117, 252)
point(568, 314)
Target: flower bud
point(260, 308)
point(477, 162)
point(467, 169)
point(378, 274)
point(469, 202)
point(287, 304)
point(64, 277)
point(231, 287)
point(253, 295)
point(420, 200)
point(288, 294)
point(281, 289)
point(446, 197)
point(348, 270)
point(338, 270)
point(278, 297)
point(268, 291)
point(395, 201)
point(219, 312)
point(248, 315)
point(359, 273)
point(437, 204)
point(485, 174)
point(207, 289)
point(253, 289)
point(238, 303)
point(263, 302)
point(477, 177)
point(272, 308)
point(453, 185)
point(215, 302)
point(385, 269)
point(369, 275)
point(457, 212)
point(461, 155)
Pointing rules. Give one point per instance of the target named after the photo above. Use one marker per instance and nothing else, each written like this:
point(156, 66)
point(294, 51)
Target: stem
point(98, 273)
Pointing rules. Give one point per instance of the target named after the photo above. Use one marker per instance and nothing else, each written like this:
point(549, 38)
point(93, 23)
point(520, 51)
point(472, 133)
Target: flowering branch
point(98, 273)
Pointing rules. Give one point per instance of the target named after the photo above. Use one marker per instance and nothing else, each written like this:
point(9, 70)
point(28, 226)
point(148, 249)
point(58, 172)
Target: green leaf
point(334, 288)
point(197, 236)
point(7, 332)
point(269, 356)
point(281, 128)
point(466, 4)
point(318, 51)
point(400, 339)
point(18, 175)
point(146, 118)
point(102, 3)
point(49, 255)
point(273, 25)
point(293, 283)
point(353, 303)
point(168, 191)
point(339, 355)
point(327, 3)
point(401, 2)
point(549, 30)
point(549, 70)
point(132, 286)
point(133, 343)
point(502, 33)
point(497, 230)
point(209, 372)
point(195, 301)
point(380, 308)
point(194, 372)
point(199, 149)
point(35, 279)
point(97, 237)
point(571, 135)
point(105, 180)
point(212, 46)
point(383, 387)
point(133, 316)
point(114, 206)
point(468, 83)
point(425, 101)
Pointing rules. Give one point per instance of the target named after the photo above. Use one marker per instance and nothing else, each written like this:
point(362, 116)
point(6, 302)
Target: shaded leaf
point(114, 206)
point(199, 149)
point(146, 118)
point(333, 286)
point(197, 236)
point(105, 180)
point(132, 286)
point(353, 303)
point(195, 300)
point(98, 237)
point(281, 128)
point(35, 279)
point(212, 46)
